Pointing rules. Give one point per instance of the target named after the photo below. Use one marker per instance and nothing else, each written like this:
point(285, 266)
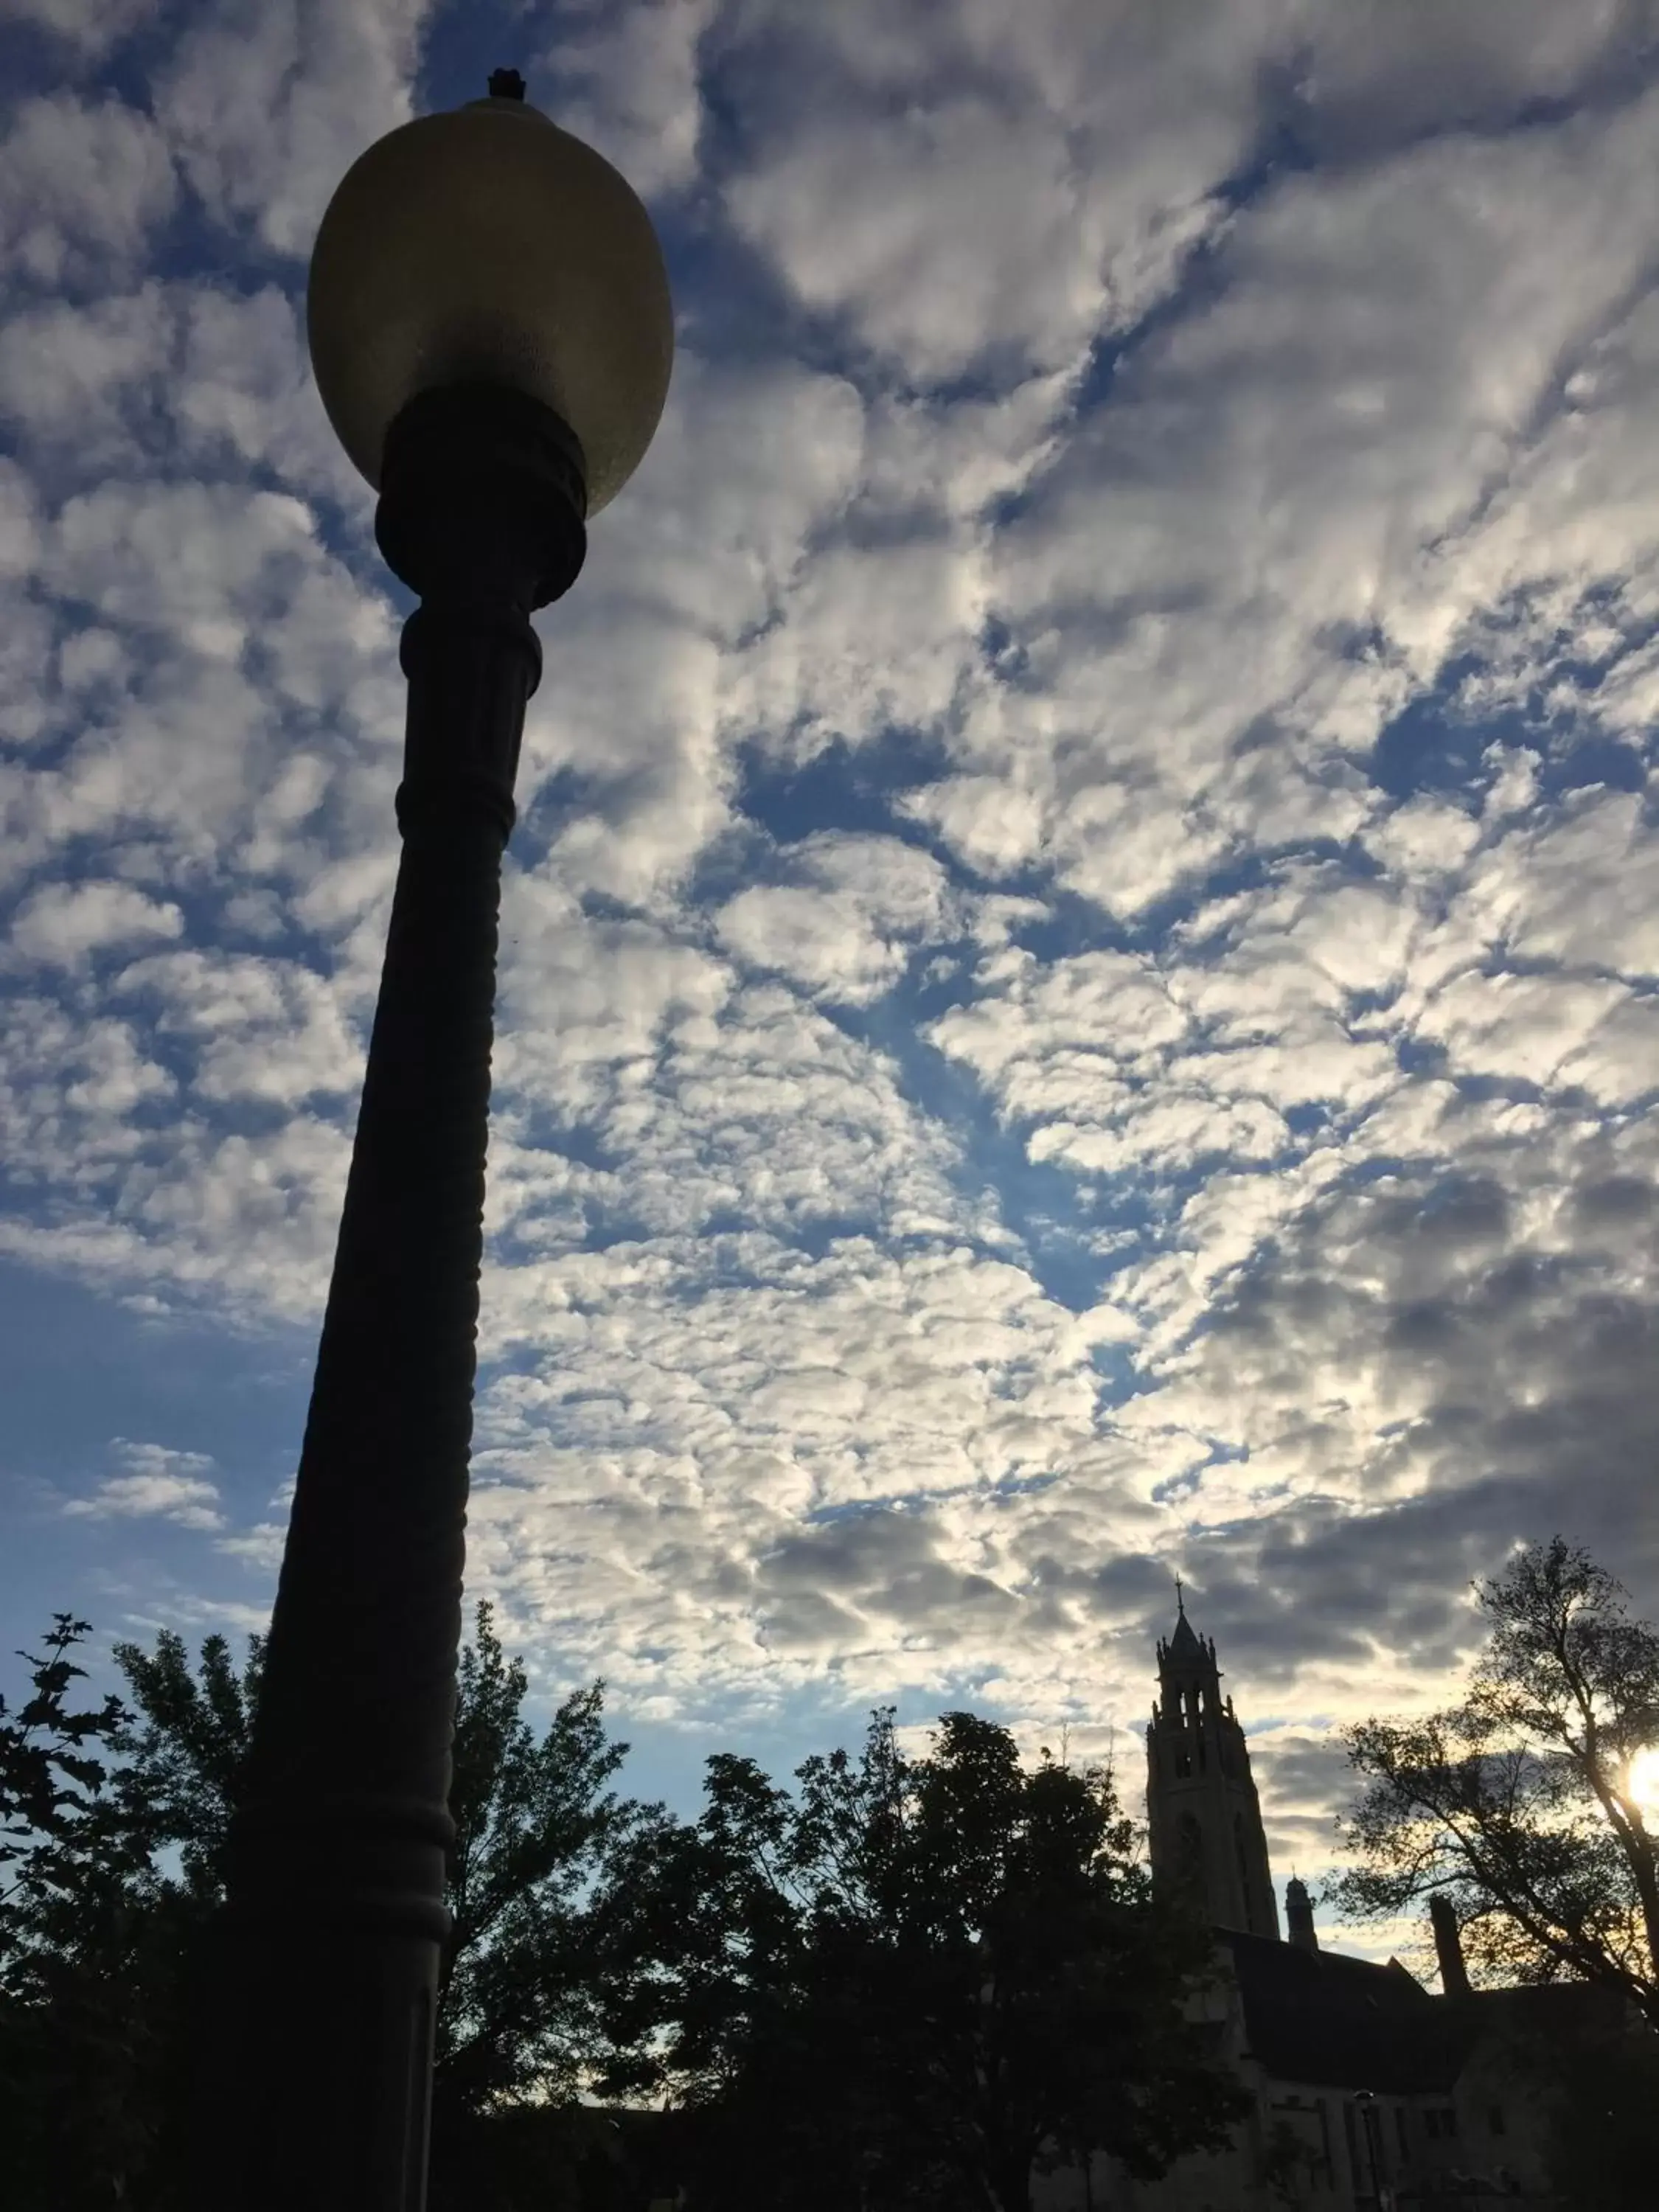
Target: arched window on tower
point(1182, 1712)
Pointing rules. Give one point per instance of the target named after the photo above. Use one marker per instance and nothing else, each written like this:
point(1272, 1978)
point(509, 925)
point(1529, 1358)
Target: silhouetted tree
point(186, 1747)
point(1517, 1801)
point(83, 1949)
point(121, 1859)
point(911, 1981)
point(48, 1778)
point(518, 2012)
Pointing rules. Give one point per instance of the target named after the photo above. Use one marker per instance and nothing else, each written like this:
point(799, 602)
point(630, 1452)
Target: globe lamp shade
point(488, 246)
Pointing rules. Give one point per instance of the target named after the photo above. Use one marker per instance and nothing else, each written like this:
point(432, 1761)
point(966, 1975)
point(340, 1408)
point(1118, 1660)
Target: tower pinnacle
point(1203, 1812)
point(1299, 1914)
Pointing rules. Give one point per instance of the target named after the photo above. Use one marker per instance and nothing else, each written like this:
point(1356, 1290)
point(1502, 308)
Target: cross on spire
point(1181, 1603)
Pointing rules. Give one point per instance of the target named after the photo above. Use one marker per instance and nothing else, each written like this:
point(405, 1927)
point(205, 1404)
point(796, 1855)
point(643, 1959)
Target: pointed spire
point(1202, 1802)
point(1183, 1644)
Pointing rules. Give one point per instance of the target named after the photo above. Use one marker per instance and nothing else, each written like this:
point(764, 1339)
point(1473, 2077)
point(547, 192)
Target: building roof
point(1328, 2020)
point(1335, 2022)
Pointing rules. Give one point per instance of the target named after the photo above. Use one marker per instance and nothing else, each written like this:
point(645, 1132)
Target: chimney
point(1448, 1946)
point(1298, 1916)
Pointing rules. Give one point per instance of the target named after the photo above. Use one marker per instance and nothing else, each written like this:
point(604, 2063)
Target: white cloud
point(171, 596)
point(1385, 69)
point(697, 1434)
point(1576, 887)
point(244, 393)
point(1203, 662)
point(992, 823)
point(624, 76)
point(825, 942)
point(91, 27)
point(267, 1030)
point(947, 238)
point(65, 370)
point(173, 371)
point(1012, 190)
point(845, 933)
point(645, 694)
point(82, 187)
point(159, 1484)
point(269, 101)
point(1533, 1028)
point(61, 923)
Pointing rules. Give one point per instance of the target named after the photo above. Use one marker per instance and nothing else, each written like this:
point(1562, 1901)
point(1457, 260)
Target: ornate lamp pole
point(491, 334)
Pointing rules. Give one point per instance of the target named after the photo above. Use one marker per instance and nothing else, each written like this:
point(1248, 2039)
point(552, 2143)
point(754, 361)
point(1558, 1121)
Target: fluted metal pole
point(316, 2057)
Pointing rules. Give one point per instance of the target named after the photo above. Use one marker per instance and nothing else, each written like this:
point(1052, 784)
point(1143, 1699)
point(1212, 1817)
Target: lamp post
point(1380, 2194)
point(491, 335)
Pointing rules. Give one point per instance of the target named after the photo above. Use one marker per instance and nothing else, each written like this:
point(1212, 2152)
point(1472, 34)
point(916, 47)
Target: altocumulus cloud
point(171, 1484)
point(1078, 991)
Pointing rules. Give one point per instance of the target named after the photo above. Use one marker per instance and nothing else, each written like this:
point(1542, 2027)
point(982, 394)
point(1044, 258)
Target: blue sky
point(1079, 984)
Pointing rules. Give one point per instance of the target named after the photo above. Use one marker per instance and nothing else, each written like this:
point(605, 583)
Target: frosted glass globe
point(486, 246)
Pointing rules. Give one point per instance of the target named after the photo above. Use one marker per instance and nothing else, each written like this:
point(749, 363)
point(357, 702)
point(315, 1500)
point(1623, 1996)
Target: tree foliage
point(1517, 1801)
point(84, 1948)
point(48, 1777)
point(911, 1981)
point(114, 1822)
point(519, 1994)
point(186, 1746)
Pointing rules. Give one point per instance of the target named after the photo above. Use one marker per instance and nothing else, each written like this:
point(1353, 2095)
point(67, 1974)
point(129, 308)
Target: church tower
point(1201, 1806)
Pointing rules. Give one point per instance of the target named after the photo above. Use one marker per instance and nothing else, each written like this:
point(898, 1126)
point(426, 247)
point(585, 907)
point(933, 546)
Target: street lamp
point(1380, 2194)
point(491, 334)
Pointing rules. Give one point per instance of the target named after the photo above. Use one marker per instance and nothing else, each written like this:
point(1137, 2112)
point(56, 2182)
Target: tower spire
point(1299, 1914)
point(1204, 1816)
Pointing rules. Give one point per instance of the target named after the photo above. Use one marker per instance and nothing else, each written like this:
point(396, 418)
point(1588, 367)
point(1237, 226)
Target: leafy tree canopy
point(113, 1823)
point(47, 1775)
point(912, 1981)
point(1517, 1801)
point(81, 1938)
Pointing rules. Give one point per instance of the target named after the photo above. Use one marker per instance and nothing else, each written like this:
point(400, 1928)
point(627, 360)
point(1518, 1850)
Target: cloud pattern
point(1078, 992)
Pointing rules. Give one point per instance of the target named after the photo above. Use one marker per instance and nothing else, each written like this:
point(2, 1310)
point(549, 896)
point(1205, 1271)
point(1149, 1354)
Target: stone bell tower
point(1201, 1806)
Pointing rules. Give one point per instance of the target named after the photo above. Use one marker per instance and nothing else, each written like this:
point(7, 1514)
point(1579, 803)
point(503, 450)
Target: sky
point(1078, 983)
